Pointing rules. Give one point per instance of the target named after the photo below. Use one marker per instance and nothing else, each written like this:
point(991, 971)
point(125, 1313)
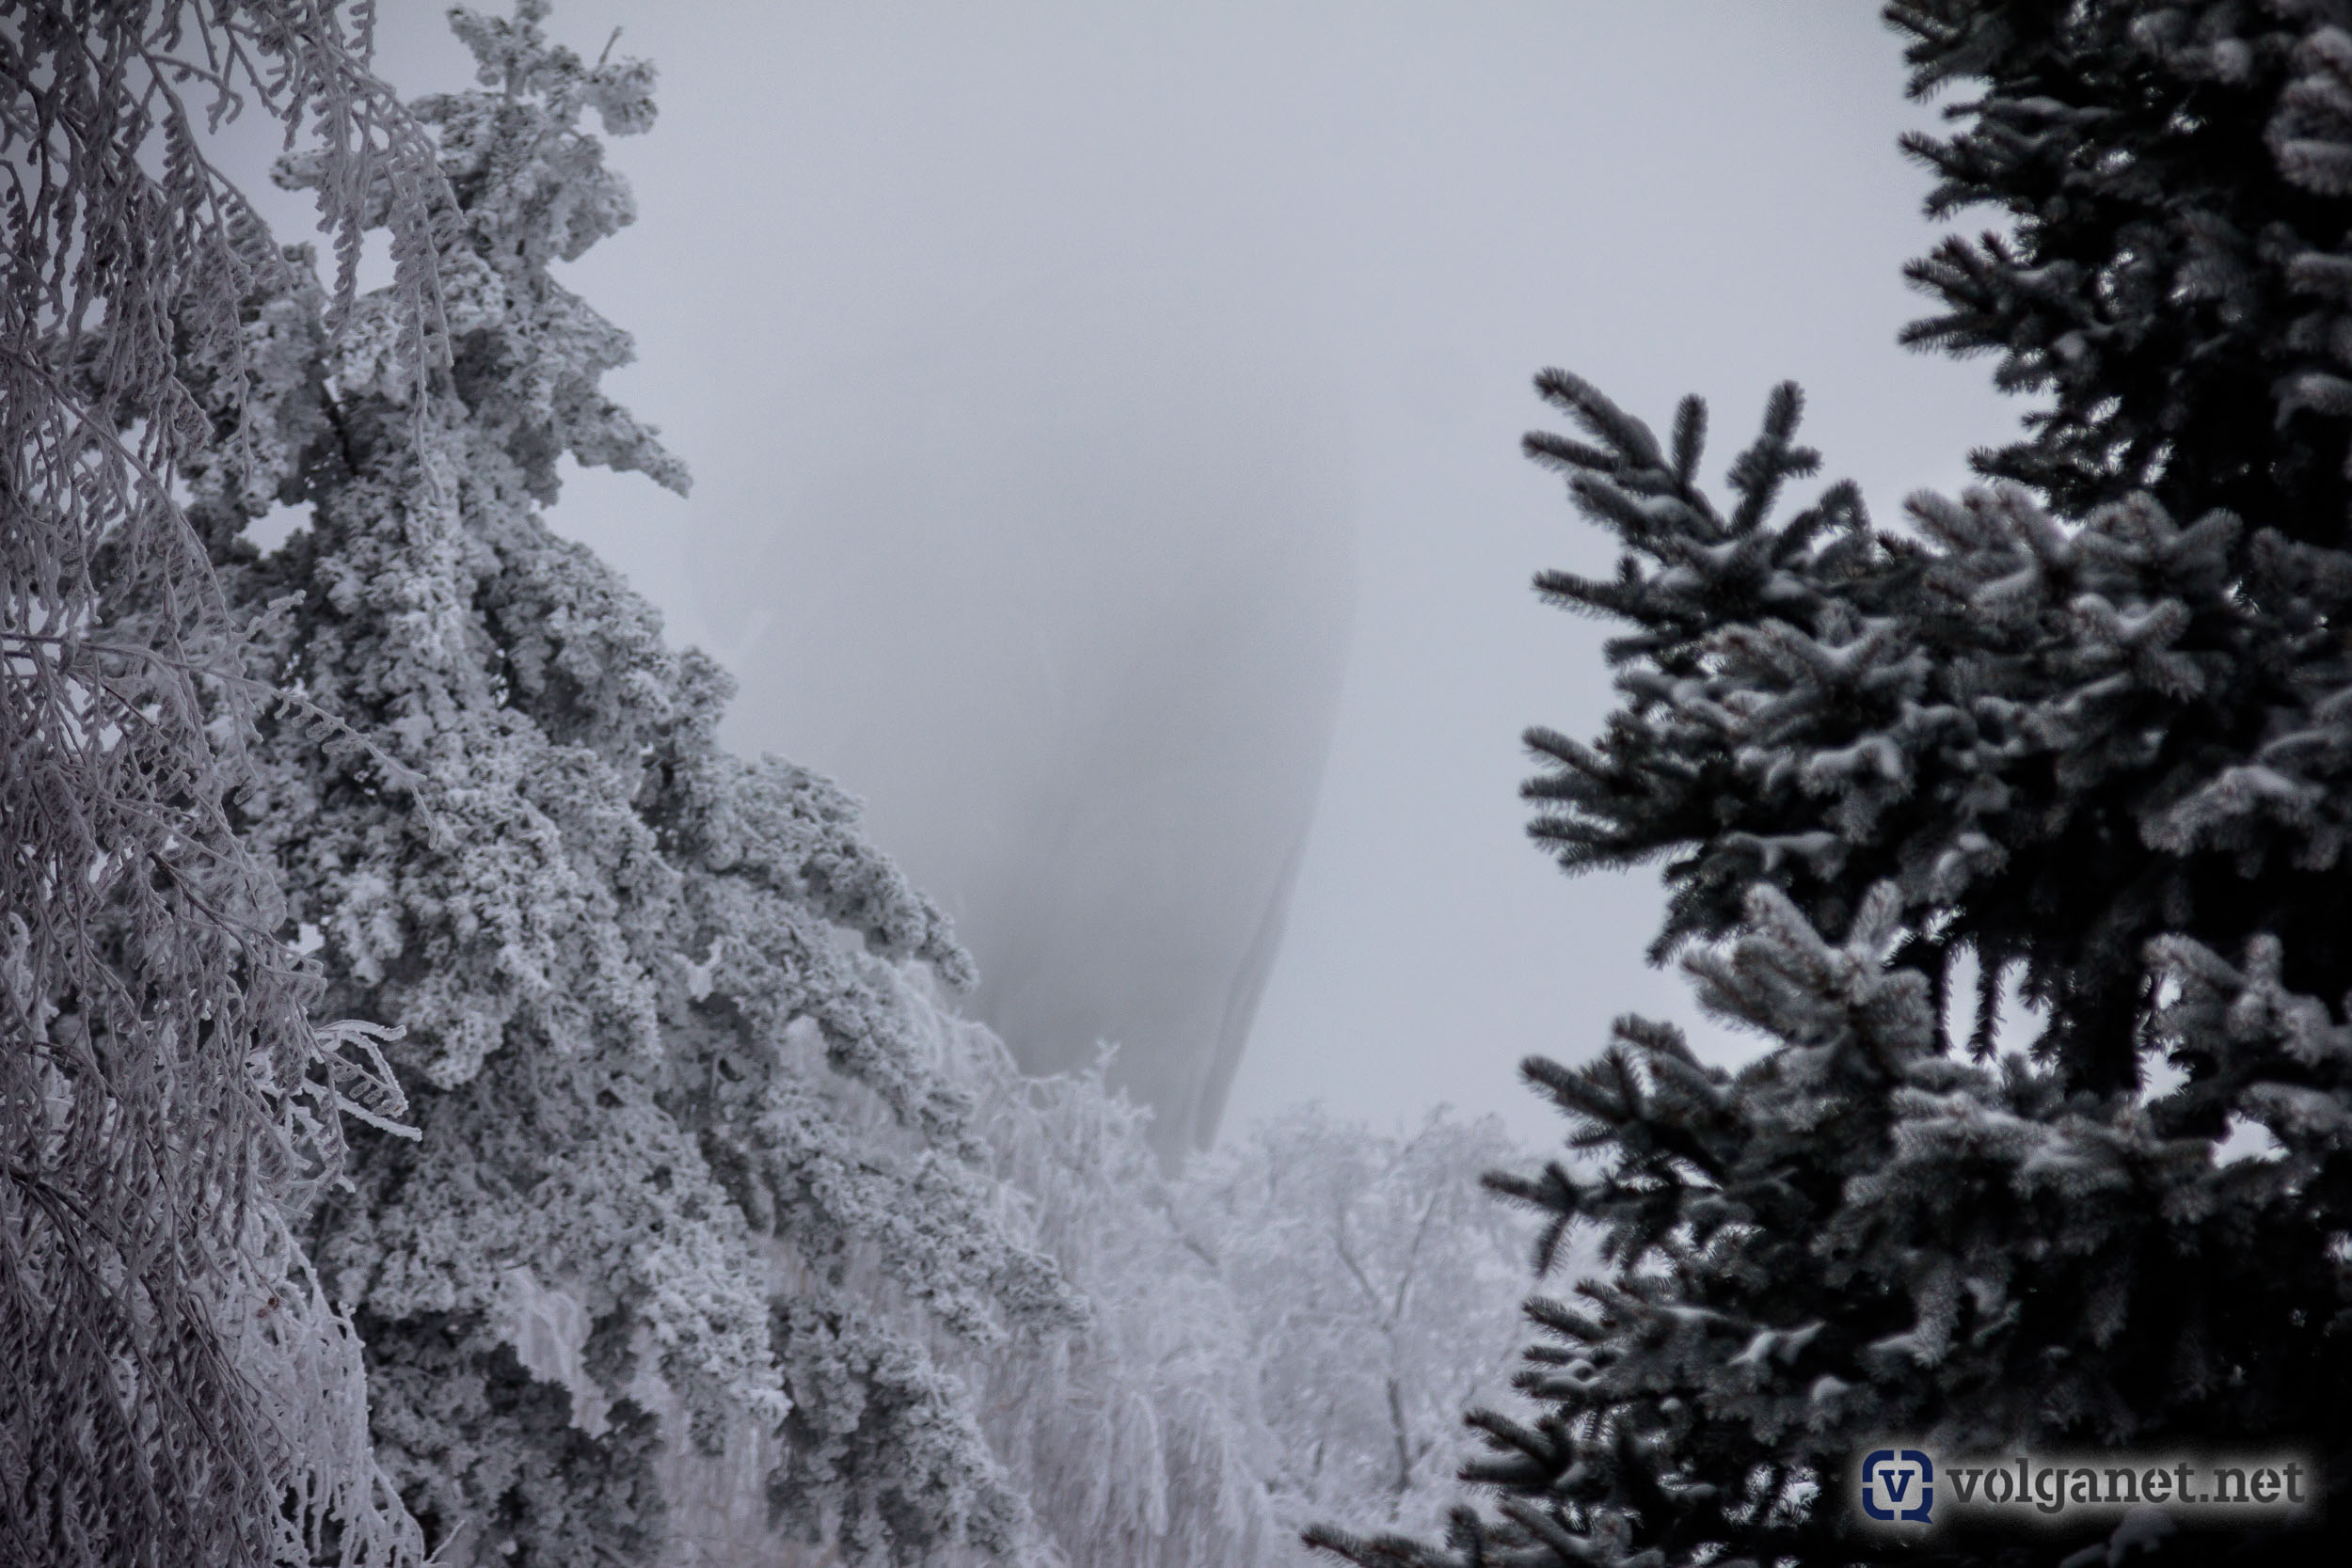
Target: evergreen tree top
point(2176, 185)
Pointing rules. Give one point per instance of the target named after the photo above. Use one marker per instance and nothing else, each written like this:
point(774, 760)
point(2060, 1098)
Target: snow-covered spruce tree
point(1866, 1232)
point(2095, 740)
point(652, 991)
point(2174, 179)
point(175, 1387)
point(1381, 1291)
point(2177, 183)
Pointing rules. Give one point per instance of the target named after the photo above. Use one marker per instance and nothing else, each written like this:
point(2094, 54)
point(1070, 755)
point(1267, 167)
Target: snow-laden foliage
point(1285, 1331)
point(1137, 1440)
point(1382, 1288)
point(1134, 1432)
point(176, 1387)
point(645, 1061)
point(1231, 1379)
point(1268, 1336)
point(2085, 728)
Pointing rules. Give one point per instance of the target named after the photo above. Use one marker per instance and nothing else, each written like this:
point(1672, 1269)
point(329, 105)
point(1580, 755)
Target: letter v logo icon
point(1898, 1484)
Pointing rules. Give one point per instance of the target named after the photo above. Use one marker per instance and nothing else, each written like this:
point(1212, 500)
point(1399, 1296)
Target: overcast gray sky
point(1349, 230)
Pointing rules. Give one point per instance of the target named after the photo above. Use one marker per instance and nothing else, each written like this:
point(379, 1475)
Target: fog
point(1060, 586)
point(1104, 426)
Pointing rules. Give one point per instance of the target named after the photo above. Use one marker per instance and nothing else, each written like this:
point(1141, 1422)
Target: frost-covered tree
point(1139, 1440)
point(1867, 1231)
point(2175, 278)
point(175, 1387)
point(2084, 729)
point(1134, 1437)
point(1381, 1287)
point(689, 1169)
point(1222, 1392)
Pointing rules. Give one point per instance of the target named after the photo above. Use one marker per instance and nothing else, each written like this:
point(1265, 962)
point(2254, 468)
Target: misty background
point(1105, 420)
